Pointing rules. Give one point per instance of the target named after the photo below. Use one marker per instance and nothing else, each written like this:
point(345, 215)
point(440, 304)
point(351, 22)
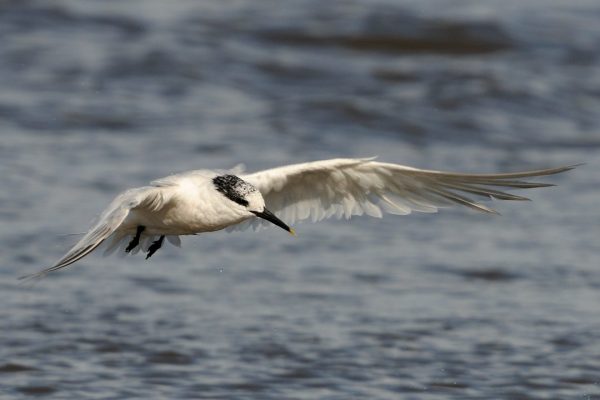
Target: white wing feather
point(109, 221)
point(347, 187)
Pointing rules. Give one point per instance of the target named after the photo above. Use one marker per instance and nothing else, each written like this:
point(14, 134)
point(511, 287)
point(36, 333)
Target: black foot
point(136, 239)
point(155, 246)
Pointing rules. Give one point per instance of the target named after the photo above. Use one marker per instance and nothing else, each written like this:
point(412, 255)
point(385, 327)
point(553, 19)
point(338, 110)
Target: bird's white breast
point(193, 206)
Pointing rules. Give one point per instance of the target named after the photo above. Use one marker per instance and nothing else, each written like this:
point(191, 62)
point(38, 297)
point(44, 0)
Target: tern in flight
point(208, 200)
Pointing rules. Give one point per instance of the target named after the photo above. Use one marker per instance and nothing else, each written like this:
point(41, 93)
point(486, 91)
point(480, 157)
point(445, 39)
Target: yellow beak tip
point(292, 232)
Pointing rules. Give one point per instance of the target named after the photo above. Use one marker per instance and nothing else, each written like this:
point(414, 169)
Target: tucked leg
point(136, 239)
point(155, 246)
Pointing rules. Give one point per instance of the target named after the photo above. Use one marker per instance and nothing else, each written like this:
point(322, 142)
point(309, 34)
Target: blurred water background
point(98, 96)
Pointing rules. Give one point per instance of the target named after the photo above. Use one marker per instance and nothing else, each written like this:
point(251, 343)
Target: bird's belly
point(176, 222)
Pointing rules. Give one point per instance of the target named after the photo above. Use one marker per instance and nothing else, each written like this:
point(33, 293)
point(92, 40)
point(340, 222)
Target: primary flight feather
point(206, 201)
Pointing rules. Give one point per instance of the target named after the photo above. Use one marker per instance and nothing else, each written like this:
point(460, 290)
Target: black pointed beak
point(269, 216)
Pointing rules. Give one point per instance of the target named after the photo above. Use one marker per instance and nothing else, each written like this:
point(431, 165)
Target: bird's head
point(246, 195)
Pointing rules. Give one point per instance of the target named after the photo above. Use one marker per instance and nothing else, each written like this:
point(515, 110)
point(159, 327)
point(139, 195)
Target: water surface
point(96, 97)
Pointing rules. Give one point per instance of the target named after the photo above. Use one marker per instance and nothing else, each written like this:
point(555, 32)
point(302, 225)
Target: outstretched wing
point(108, 222)
point(347, 187)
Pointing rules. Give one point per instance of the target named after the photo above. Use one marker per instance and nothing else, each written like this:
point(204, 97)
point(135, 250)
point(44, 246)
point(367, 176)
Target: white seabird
point(206, 201)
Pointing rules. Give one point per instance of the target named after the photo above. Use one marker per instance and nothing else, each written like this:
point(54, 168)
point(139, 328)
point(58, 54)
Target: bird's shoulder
point(150, 197)
point(195, 176)
point(186, 187)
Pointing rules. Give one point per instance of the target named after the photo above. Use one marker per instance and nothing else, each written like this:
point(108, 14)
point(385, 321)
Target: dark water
point(97, 96)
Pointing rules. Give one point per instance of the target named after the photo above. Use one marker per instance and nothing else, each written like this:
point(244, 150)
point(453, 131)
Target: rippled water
point(99, 96)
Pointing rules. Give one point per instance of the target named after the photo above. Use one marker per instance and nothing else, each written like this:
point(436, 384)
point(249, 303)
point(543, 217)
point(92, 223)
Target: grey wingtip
point(571, 167)
point(566, 168)
point(31, 278)
point(482, 208)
